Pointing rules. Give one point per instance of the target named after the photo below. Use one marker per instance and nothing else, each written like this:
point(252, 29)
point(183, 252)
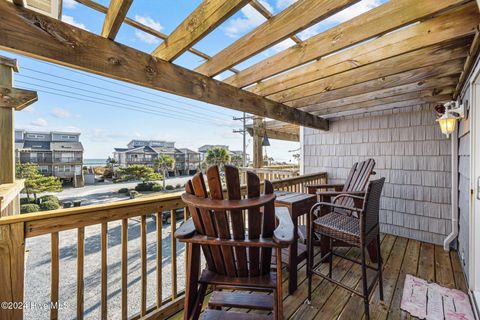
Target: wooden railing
point(14, 231)
point(272, 173)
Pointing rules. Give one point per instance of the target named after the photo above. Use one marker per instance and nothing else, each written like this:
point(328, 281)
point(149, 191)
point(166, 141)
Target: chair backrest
point(227, 223)
point(371, 206)
point(357, 179)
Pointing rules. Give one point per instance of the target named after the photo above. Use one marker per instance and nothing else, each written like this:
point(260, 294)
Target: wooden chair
point(355, 184)
point(237, 237)
point(356, 230)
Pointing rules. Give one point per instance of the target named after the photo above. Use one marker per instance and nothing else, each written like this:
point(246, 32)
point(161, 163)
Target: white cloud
point(60, 113)
point(69, 4)
point(73, 22)
point(40, 122)
point(251, 19)
point(150, 22)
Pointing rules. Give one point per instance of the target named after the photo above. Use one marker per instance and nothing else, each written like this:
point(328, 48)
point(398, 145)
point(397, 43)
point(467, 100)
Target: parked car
point(166, 216)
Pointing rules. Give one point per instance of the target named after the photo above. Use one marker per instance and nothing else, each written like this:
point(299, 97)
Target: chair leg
point(199, 302)
point(330, 260)
point(365, 283)
point(279, 291)
point(309, 262)
point(379, 265)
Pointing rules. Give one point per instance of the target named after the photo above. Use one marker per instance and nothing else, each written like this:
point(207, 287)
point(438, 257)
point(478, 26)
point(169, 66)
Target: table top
point(288, 197)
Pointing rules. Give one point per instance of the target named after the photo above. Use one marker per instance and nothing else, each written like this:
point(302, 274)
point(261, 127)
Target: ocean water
point(94, 162)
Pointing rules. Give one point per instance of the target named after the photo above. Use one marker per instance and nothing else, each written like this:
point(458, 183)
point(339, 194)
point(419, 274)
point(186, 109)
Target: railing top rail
point(93, 214)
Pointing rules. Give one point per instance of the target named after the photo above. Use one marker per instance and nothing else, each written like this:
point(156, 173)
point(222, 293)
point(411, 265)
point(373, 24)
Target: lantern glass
point(447, 124)
point(265, 142)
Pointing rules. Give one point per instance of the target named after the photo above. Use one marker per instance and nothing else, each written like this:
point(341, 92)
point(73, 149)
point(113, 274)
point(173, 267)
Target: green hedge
point(49, 205)
point(25, 201)
point(169, 187)
point(133, 194)
point(30, 207)
point(123, 190)
point(49, 198)
point(157, 187)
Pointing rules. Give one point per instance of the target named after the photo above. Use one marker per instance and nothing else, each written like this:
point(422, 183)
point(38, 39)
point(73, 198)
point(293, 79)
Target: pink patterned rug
point(431, 301)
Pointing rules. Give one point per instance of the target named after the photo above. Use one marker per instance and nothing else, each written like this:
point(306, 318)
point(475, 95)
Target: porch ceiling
point(401, 53)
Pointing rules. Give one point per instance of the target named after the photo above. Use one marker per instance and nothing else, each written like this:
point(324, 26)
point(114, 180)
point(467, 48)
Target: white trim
point(302, 150)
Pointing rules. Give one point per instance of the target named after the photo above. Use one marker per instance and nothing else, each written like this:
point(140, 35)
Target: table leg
point(293, 258)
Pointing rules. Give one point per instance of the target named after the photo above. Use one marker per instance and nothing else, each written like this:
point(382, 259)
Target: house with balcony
point(383, 221)
point(58, 154)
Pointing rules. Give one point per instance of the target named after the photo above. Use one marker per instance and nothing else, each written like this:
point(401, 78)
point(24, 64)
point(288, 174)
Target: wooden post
point(258, 129)
point(7, 132)
point(12, 248)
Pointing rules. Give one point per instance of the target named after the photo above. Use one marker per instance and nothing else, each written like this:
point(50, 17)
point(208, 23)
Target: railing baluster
point(124, 267)
point(54, 278)
point(173, 251)
point(80, 266)
point(143, 256)
point(159, 258)
point(104, 263)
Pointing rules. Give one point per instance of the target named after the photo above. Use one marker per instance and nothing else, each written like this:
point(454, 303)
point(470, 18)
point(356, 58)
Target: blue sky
point(110, 113)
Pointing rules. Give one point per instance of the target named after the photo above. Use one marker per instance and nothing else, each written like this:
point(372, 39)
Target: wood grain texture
point(80, 271)
point(7, 144)
point(378, 21)
point(408, 61)
point(451, 25)
point(55, 274)
point(48, 39)
point(117, 11)
point(17, 99)
point(104, 269)
point(298, 16)
point(206, 17)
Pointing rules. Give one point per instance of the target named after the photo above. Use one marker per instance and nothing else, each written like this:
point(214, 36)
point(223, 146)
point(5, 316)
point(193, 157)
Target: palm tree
point(163, 163)
point(217, 156)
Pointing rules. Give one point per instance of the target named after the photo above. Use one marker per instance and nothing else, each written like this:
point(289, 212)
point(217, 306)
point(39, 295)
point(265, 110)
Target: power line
point(123, 85)
point(121, 106)
point(115, 97)
point(102, 100)
point(110, 90)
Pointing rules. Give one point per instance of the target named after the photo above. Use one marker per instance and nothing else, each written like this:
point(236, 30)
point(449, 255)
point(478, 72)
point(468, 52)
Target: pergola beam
point(206, 17)
point(417, 76)
point(375, 22)
point(275, 134)
point(117, 11)
point(451, 25)
point(42, 37)
point(412, 60)
point(17, 99)
point(297, 17)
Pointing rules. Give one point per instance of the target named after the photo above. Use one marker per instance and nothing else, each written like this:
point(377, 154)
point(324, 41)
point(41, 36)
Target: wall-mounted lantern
point(448, 121)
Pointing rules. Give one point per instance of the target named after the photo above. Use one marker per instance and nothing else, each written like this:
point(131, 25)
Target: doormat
point(431, 301)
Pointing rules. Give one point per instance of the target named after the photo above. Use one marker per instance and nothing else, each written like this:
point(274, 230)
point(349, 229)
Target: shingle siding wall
point(410, 152)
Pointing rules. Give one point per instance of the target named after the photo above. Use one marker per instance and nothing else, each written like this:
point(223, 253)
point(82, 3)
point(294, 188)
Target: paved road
point(104, 192)
point(37, 279)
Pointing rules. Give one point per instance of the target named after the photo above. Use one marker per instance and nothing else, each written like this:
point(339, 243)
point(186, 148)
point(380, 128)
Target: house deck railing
point(14, 230)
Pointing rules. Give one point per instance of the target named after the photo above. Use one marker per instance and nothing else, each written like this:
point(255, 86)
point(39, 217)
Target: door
point(474, 277)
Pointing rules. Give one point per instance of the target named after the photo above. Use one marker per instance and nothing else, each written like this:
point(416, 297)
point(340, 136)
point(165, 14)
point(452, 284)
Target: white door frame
point(474, 123)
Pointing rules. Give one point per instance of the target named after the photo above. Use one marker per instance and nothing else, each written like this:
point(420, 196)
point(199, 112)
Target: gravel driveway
point(37, 280)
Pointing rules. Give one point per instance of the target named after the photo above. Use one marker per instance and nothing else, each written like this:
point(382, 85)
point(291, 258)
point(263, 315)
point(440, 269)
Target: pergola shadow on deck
point(401, 256)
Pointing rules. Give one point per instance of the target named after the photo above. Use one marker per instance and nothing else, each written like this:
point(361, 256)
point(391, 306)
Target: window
point(43, 169)
point(35, 136)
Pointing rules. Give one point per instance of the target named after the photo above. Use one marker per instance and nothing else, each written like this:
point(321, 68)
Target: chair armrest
point(346, 195)
point(333, 205)
point(338, 193)
point(284, 233)
point(186, 230)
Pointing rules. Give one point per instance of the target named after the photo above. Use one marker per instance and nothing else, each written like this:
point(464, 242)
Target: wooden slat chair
point(355, 184)
point(357, 230)
point(237, 237)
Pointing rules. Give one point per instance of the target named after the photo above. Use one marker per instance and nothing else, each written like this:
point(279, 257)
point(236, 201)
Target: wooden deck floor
point(401, 256)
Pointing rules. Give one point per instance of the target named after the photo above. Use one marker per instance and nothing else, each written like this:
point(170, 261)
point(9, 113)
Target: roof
point(66, 146)
point(186, 150)
point(36, 145)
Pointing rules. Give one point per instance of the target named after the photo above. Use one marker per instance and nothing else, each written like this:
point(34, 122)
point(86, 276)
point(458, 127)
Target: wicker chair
point(356, 230)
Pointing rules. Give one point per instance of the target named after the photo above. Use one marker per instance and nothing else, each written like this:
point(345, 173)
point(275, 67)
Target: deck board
point(401, 257)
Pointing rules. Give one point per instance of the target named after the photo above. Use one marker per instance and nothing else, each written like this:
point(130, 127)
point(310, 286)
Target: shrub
point(49, 198)
point(49, 205)
point(25, 201)
point(123, 190)
point(169, 187)
point(67, 204)
point(157, 187)
point(133, 194)
point(178, 186)
point(77, 203)
point(29, 207)
point(144, 186)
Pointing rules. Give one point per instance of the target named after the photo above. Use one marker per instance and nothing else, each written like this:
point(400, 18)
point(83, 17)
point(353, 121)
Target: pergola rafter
point(117, 11)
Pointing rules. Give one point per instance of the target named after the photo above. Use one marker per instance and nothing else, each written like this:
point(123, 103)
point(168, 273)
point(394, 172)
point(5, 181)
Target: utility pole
point(244, 132)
